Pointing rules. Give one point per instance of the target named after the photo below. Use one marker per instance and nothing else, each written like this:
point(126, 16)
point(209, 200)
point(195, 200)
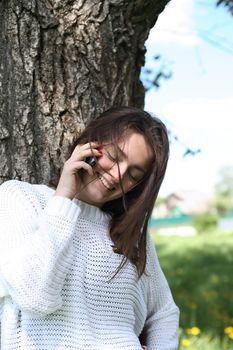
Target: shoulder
point(150, 245)
point(22, 193)
point(152, 258)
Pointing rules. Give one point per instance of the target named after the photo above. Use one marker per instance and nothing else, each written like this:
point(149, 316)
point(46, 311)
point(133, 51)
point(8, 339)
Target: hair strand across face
point(130, 213)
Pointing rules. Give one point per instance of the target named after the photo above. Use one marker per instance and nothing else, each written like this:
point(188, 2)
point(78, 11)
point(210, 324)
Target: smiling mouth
point(105, 183)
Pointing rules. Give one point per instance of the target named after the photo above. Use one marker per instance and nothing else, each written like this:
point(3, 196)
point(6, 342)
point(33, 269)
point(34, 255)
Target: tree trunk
point(63, 62)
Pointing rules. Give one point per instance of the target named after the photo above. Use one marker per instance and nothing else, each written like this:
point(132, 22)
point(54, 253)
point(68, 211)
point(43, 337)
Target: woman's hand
point(69, 182)
point(145, 347)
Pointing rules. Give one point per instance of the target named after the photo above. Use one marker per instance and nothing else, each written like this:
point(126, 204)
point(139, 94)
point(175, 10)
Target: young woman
point(78, 269)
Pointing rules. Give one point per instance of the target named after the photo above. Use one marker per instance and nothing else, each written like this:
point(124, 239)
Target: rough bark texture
point(62, 62)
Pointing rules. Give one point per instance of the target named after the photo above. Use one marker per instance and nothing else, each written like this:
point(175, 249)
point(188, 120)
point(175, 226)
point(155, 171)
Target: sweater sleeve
point(162, 323)
point(35, 246)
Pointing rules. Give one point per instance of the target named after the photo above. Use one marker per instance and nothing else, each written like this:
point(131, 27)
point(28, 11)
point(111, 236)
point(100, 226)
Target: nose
point(117, 171)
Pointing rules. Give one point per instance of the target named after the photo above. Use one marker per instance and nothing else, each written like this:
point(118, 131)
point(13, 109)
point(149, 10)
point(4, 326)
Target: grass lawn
point(200, 273)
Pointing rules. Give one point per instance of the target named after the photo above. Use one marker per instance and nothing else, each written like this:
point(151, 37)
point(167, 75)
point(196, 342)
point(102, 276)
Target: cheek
point(104, 162)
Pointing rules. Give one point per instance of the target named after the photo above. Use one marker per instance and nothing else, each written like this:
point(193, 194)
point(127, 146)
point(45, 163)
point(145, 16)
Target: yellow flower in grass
point(193, 331)
point(185, 342)
point(228, 330)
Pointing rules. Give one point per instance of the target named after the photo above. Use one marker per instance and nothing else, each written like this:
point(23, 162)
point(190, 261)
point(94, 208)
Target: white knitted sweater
point(56, 262)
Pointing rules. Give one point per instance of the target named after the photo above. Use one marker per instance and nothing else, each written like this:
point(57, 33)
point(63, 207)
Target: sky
point(195, 40)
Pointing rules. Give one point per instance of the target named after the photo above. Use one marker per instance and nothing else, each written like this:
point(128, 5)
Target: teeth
point(104, 182)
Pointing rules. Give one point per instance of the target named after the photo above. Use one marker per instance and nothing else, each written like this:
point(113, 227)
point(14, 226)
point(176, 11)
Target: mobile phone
point(91, 161)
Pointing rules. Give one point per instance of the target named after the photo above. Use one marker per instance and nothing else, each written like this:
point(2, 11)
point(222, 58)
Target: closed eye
point(135, 178)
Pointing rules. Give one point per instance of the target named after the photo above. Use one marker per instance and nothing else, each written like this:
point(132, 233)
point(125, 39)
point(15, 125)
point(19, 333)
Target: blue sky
point(196, 39)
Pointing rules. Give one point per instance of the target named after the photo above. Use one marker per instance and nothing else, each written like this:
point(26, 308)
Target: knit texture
point(56, 291)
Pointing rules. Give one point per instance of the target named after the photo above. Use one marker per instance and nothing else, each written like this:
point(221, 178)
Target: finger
point(144, 347)
point(72, 167)
point(87, 167)
point(88, 145)
point(82, 154)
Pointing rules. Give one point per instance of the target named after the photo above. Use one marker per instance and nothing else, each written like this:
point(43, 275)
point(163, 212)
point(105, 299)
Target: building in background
point(175, 213)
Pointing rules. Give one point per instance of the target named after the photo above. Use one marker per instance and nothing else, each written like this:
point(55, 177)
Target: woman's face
point(133, 156)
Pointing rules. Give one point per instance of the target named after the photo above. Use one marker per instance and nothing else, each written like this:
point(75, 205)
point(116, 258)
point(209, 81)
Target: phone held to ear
point(91, 161)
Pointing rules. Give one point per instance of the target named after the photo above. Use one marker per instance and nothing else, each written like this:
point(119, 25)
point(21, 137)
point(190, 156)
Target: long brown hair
point(131, 212)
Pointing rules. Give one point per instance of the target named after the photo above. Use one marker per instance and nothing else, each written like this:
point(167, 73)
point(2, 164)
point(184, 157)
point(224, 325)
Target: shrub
point(205, 222)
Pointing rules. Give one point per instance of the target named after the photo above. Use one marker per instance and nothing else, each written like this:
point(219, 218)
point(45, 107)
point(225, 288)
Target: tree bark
point(62, 62)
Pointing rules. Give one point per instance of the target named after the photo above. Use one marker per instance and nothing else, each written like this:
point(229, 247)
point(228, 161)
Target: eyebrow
point(135, 166)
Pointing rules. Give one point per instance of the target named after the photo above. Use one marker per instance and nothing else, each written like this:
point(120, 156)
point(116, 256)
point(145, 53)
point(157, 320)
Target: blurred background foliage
point(199, 267)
